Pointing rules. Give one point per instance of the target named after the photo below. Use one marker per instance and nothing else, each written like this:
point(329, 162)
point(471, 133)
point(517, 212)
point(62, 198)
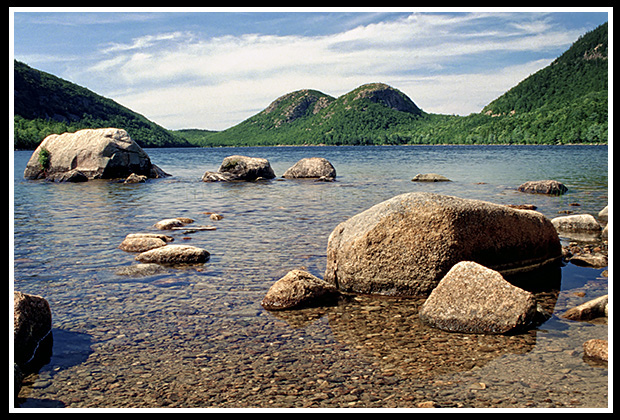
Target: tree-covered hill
point(566, 102)
point(46, 104)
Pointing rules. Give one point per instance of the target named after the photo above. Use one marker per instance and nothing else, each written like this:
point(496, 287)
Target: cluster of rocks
point(244, 168)
point(454, 251)
point(155, 248)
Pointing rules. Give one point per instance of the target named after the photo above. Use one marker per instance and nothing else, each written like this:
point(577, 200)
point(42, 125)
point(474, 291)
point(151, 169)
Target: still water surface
point(198, 337)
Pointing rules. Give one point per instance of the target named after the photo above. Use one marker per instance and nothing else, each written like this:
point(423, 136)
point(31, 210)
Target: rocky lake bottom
point(197, 337)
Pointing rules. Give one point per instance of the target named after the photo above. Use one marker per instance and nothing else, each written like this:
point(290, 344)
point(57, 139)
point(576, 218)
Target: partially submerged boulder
point(314, 167)
point(140, 242)
point(591, 309)
point(175, 222)
point(105, 153)
point(475, 299)
point(576, 223)
point(297, 288)
point(404, 246)
point(174, 254)
point(241, 168)
point(548, 186)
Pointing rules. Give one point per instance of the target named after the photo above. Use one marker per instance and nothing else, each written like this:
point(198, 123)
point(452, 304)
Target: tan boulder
point(475, 299)
point(404, 246)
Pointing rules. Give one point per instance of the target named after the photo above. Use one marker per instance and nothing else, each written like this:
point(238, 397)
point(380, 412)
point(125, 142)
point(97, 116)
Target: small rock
point(297, 288)
point(135, 179)
point(522, 206)
point(167, 224)
point(543, 187)
point(430, 178)
point(576, 223)
point(140, 242)
point(215, 216)
point(174, 254)
point(594, 308)
point(596, 349)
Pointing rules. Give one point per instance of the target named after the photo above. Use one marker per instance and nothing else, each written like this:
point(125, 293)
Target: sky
point(213, 68)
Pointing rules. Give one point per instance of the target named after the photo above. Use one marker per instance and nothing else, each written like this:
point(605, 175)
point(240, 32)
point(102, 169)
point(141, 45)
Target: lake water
point(198, 337)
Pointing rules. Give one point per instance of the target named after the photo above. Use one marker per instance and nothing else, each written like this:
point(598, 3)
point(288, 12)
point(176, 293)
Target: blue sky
point(213, 68)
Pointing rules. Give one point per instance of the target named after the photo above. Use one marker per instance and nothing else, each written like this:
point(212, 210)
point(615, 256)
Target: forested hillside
point(566, 102)
point(46, 104)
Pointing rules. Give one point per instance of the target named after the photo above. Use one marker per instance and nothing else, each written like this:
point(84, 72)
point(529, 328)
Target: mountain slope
point(46, 104)
point(312, 117)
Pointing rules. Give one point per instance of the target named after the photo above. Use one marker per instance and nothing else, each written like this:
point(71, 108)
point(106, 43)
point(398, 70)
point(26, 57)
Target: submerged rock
point(475, 299)
point(314, 167)
point(543, 187)
point(297, 288)
point(404, 246)
point(174, 254)
point(241, 168)
point(104, 153)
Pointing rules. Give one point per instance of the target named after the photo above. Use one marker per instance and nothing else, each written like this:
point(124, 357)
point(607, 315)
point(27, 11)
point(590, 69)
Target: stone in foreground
point(296, 289)
point(404, 246)
point(105, 153)
point(174, 254)
point(475, 299)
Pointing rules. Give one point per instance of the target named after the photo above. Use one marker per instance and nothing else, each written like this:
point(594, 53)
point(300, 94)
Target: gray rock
point(314, 167)
point(583, 227)
point(241, 168)
point(404, 246)
point(297, 288)
point(430, 178)
point(543, 187)
point(475, 299)
point(174, 254)
point(104, 153)
point(32, 322)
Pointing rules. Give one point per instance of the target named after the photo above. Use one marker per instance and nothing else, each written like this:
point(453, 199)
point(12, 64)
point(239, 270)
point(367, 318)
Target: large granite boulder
point(32, 322)
point(404, 246)
point(241, 168)
point(314, 167)
point(475, 299)
point(105, 153)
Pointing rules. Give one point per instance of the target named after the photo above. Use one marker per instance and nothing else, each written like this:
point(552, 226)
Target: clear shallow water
point(198, 337)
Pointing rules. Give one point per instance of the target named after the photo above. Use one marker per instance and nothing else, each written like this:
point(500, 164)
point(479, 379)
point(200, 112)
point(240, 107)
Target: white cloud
point(179, 79)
